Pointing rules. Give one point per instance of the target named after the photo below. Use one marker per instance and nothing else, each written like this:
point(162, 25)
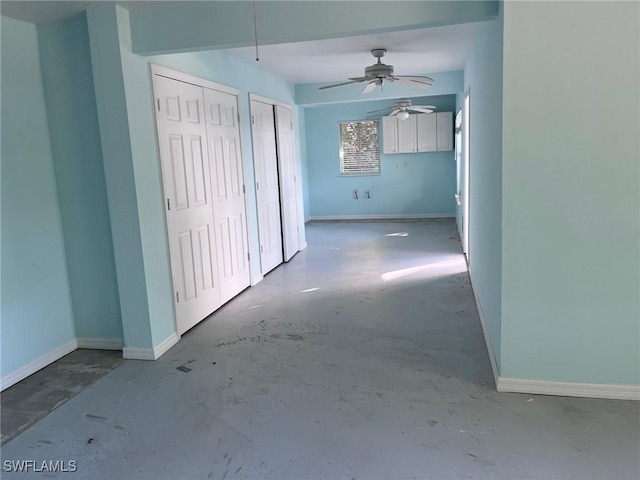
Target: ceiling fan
point(402, 107)
point(377, 73)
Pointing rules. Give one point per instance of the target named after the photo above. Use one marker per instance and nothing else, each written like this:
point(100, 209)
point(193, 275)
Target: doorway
point(466, 136)
point(462, 171)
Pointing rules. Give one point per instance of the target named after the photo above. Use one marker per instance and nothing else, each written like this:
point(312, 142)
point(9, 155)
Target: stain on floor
point(32, 399)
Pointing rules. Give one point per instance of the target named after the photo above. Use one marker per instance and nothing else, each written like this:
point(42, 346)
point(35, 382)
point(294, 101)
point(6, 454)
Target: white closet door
point(267, 189)
point(287, 171)
point(185, 174)
point(228, 192)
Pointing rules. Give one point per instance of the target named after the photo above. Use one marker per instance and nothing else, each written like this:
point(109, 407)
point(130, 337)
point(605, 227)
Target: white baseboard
point(569, 389)
point(37, 364)
point(256, 279)
point(418, 216)
point(138, 353)
point(165, 345)
point(151, 353)
point(487, 337)
point(548, 387)
point(101, 343)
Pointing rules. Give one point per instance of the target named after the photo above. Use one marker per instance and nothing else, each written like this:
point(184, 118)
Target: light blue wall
point(409, 184)
point(75, 142)
point(36, 302)
point(302, 129)
point(483, 76)
point(571, 170)
point(163, 27)
point(119, 174)
point(111, 25)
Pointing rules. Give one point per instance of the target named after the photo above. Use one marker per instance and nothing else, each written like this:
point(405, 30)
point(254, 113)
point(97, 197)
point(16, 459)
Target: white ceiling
point(411, 52)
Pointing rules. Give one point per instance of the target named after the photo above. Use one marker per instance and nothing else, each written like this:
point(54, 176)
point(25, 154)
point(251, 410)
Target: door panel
point(288, 188)
point(229, 200)
point(185, 171)
point(179, 179)
point(188, 280)
point(267, 187)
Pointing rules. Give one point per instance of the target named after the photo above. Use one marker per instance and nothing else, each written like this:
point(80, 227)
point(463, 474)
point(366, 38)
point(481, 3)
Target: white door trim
point(192, 79)
point(269, 101)
point(466, 187)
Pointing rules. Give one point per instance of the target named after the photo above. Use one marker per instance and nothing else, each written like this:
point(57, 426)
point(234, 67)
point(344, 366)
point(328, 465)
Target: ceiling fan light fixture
point(376, 74)
point(403, 115)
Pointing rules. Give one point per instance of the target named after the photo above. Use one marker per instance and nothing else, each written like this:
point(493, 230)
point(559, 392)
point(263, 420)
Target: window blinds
point(359, 148)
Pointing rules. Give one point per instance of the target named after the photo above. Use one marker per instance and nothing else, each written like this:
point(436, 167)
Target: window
point(359, 148)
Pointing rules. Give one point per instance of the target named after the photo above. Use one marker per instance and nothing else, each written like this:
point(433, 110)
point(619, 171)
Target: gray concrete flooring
point(32, 399)
point(361, 358)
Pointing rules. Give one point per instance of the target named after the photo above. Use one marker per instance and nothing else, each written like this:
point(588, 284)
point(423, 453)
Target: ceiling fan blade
point(413, 82)
point(396, 111)
point(381, 110)
point(360, 79)
point(369, 87)
point(338, 84)
point(420, 108)
point(416, 78)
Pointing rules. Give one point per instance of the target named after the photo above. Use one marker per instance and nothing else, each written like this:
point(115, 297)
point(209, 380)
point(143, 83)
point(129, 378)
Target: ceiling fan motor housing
point(379, 70)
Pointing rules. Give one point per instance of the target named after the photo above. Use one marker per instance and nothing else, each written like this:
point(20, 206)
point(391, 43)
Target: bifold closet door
point(267, 188)
point(287, 175)
point(182, 141)
point(228, 192)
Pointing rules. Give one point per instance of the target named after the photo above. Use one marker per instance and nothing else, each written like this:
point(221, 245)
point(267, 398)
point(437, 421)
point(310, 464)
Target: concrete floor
point(29, 401)
point(361, 358)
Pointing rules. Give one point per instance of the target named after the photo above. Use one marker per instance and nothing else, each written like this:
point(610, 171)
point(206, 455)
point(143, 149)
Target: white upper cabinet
point(407, 135)
point(427, 132)
point(390, 134)
point(423, 132)
point(445, 131)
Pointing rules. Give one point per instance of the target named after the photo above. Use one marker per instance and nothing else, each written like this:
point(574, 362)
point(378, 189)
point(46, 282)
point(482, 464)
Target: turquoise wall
point(75, 143)
point(483, 77)
point(304, 174)
point(109, 25)
point(163, 27)
point(571, 175)
point(409, 184)
point(120, 178)
point(36, 302)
